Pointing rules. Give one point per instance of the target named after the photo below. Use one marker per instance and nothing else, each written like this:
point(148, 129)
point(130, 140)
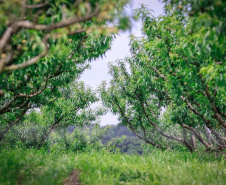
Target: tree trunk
point(10, 125)
point(48, 132)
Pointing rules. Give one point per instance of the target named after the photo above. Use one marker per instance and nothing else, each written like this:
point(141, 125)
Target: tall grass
point(30, 166)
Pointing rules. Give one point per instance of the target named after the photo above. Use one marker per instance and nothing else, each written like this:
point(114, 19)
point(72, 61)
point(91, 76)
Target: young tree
point(72, 108)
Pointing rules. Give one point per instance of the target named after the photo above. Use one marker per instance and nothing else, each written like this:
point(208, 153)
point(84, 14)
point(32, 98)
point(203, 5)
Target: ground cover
point(30, 166)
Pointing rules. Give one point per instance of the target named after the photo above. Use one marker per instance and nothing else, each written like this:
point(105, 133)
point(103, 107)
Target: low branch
point(62, 24)
point(48, 132)
point(199, 137)
point(31, 61)
point(155, 126)
point(148, 140)
point(6, 36)
point(130, 126)
point(3, 133)
point(152, 112)
point(207, 122)
point(37, 5)
point(211, 100)
point(194, 110)
point(186, 141)
point(161, 75)
point(58, 72)
point(15, 27)
point(7, 105)
point(218, 136)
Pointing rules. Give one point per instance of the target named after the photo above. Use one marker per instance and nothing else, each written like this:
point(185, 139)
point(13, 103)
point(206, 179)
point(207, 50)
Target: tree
point(169, 92)
point(71, 109)
point(46, 46)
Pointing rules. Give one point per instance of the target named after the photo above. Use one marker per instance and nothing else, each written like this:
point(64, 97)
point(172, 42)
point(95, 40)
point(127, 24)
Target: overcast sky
point(119, 50)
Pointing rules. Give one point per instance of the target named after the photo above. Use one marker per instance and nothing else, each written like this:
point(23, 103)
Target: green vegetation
point(121, 137)
point(170, 93)
point(44, 50)
point(21, 166)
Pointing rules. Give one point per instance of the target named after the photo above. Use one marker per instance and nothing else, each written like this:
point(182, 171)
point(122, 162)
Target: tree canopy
point(173, 85)
point(171, 89)
point(46, 45)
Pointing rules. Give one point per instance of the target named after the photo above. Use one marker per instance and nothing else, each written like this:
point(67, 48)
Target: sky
point(119, 50)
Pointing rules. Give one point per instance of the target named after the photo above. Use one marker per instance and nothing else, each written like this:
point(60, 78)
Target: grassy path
point(97, 168)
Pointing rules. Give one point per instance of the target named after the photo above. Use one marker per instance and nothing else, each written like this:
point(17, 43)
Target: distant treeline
point(120, 137)
point(129, 144)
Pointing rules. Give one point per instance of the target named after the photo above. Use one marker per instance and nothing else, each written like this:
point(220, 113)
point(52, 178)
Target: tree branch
point(37, 5)
point(62, 24)
point(217, 114)
point(48, 132)
point(3, 133)
point(31, 61)
point(7, 105)
point(199, 137)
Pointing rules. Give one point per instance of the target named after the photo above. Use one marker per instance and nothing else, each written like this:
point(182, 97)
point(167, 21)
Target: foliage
point(32, 29)
point(129, 143)
point(172, 88)
point(116, 131)
point(72, 108)
point(21, 166)
point(45, 47)
point(80, 140)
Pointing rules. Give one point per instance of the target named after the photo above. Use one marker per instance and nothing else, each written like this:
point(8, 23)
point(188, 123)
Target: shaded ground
point(73, 179)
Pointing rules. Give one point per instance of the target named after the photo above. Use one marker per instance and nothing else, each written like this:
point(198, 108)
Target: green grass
point(40, 167)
